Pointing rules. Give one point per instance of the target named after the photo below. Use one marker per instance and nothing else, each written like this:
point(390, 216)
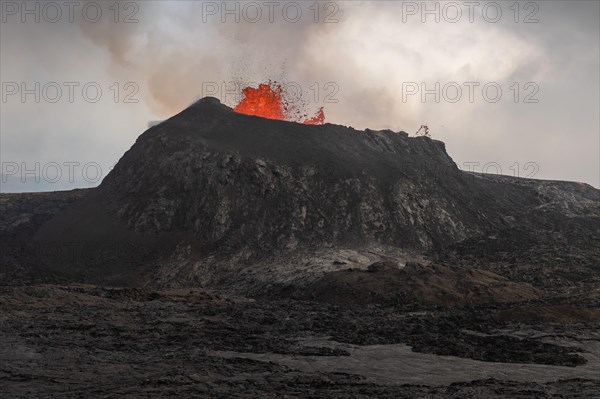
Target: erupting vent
point(270, 101)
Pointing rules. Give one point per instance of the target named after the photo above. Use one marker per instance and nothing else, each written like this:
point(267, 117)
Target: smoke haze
point(359, 68)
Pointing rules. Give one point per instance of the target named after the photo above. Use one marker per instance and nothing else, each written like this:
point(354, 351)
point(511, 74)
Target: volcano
point(305, 258)
point(212, 197)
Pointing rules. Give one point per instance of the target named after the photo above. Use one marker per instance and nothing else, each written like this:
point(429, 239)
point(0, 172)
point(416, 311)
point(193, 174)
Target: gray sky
point(366, 63)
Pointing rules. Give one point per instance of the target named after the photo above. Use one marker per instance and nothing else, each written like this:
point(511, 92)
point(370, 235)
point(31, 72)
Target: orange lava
point(264, 101)
point(268, 101)
point(318, 119)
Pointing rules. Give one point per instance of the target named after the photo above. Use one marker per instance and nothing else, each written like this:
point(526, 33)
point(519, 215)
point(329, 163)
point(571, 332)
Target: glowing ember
point(269, 101)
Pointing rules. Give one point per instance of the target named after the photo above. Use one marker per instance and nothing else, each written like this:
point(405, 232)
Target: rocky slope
point(432, 285)
point(21, 215)
point(210, 192)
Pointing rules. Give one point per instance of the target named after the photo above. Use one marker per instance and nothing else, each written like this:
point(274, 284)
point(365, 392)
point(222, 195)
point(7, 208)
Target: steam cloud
point(368, 54)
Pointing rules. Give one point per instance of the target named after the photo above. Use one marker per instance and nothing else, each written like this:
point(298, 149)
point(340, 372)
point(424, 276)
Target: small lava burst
point(318, 119)
point(269, 100)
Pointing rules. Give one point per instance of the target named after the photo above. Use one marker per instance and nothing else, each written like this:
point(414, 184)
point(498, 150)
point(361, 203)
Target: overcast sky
point(372, 65)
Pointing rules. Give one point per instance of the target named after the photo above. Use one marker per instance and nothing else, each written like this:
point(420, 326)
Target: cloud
point(355, 68)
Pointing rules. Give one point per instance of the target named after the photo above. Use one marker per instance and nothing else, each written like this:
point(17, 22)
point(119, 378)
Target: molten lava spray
point(264, 101)
point(318, 119)
point(269, 101)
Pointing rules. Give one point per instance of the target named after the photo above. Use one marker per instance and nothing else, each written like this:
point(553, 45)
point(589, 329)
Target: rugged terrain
point(233, 256)
point(80, 340)
point(21, 215)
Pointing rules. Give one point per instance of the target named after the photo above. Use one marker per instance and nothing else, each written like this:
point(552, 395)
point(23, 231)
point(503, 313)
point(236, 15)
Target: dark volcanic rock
point(209, 189)
point(21, 215)
point(81, 341)
point(416, 284)
point(382, 266)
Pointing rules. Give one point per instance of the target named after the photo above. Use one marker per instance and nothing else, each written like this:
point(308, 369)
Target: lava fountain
point(270, 101)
